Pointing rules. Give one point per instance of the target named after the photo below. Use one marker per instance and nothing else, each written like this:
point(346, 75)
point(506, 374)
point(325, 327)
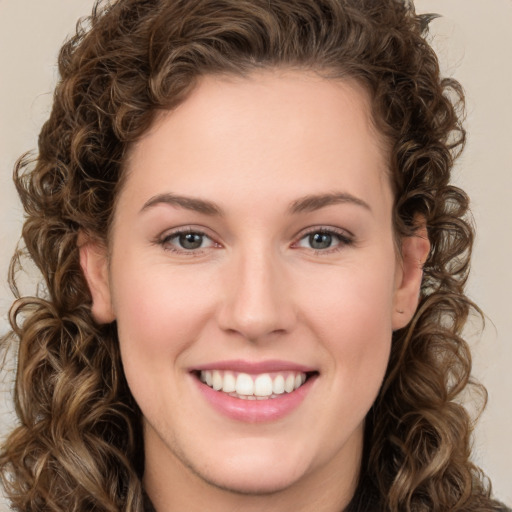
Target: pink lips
point(255, 411)
point(239, 365)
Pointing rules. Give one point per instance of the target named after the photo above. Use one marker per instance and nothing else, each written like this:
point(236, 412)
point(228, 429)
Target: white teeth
point(252, 387)
point(289, 383)
point(244, 384)
point(229, 383)
point(217, 380)
point(278, 385)
point(263, 385)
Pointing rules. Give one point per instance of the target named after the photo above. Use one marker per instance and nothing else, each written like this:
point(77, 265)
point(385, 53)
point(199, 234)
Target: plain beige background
point(474, 42)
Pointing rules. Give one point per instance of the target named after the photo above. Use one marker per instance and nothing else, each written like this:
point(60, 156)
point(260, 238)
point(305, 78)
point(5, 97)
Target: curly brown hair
point(78, 445)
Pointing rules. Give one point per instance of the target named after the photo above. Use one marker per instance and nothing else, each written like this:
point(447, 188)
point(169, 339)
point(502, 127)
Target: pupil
point(320, 240)
point(191, 241)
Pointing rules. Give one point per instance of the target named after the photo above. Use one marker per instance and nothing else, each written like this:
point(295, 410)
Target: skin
point(256, 290)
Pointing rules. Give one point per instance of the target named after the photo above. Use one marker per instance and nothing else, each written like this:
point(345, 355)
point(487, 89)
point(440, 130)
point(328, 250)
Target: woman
point(254, 264)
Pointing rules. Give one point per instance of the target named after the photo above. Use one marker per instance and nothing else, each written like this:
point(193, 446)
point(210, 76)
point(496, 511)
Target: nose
point(258, 300)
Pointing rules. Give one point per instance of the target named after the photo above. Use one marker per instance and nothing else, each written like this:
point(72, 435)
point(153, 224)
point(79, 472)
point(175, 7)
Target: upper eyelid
point(325, 229)
point(203, 231)
point(168, 233)
point(174, 234)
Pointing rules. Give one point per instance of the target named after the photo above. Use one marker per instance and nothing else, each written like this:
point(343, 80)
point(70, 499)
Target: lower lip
point(255, 411)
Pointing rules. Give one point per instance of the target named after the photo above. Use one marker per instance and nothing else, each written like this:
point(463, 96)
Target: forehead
point(281, 126)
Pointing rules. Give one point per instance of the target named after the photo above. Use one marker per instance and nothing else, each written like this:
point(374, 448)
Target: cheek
point(159, 314)
point(358, 298)
point(159, 317)
point(353, 315)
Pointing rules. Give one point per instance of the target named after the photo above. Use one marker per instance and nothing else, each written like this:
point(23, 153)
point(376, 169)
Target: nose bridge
point(258, 301)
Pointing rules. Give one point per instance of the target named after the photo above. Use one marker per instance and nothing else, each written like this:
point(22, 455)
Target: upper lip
point(254, 367)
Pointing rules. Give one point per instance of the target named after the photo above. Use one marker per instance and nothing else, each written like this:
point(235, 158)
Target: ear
point(414, 253)
point(94, 263)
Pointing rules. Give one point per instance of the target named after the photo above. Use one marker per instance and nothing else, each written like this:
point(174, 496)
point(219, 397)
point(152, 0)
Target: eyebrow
point(189, 203)
point(304, 204)
point(312, 203)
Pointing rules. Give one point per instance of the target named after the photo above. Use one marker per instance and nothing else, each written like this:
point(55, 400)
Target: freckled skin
point(256, 289)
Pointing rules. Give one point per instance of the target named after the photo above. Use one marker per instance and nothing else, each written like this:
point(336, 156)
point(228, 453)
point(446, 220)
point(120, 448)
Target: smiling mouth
point(247, 386)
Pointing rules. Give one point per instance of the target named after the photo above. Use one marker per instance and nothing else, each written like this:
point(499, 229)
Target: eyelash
point(344, 239)
point(165, 241)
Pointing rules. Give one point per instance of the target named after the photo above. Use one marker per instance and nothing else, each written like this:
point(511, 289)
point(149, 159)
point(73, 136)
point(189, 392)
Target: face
point(255, 280)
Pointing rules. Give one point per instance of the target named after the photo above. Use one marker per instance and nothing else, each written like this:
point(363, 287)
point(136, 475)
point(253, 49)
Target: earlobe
point(414, 253)
point(94, 263)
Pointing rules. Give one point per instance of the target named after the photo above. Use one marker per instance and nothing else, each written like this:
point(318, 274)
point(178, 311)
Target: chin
point(256, 475)
point(249, 485)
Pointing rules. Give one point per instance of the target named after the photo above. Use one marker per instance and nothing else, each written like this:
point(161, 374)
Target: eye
point(187, 241)
point(190, 241)
point(320, 240)
point(324, 240)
